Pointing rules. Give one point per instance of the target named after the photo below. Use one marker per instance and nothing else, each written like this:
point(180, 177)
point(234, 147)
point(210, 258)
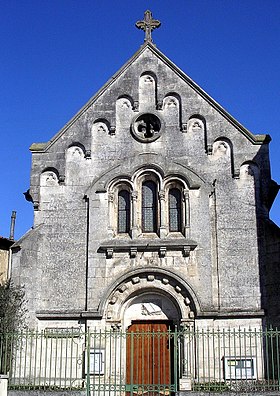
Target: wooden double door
point(150, 358)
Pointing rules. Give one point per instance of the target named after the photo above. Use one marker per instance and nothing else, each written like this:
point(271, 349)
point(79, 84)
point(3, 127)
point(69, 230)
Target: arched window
point(123, 211)
point(175, 210)
point(149, 207)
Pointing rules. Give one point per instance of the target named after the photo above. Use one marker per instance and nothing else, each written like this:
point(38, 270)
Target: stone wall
point(271, 273)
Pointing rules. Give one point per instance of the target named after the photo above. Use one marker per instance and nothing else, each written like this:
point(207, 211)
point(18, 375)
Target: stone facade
point(189, 243)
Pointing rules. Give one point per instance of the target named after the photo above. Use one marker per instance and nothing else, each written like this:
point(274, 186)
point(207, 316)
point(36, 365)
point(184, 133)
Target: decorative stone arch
point(141, 176)
point(145, 173)
point(147, 91)
point(126, 99)
point(173, 94)
point(118, 184)
point(249, 168)
point(103, 126)
point(196, 123)
point(177, 182)
point(124, 111)
point(175, 179)
point(198, 126)
point(223, 149)
point(75, 149)
point(172, 108)
point(151, 283)
point(49, 177)
point(149, 73)
point(107, 184)
point(49, 187)
point(250, 180)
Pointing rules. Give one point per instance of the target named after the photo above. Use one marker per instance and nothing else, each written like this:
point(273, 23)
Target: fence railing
point(111, 363)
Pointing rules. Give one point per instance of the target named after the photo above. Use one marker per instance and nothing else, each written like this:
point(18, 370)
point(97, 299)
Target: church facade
point(150, 206)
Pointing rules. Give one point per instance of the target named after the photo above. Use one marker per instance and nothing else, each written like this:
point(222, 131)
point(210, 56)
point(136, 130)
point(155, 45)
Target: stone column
point(134, 228)
point(162, 220)
point(3, 385)
point(188, 351)
point(187, 213)
point(111, 213)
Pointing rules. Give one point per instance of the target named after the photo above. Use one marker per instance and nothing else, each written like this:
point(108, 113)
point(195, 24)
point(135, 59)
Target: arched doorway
point(149, 308)
point(151, 346)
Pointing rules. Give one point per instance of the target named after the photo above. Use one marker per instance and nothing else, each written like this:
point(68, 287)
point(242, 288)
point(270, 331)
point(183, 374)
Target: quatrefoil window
point(146, 127)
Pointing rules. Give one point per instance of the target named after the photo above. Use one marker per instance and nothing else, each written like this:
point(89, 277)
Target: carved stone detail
point(160, 105)
point(112, 130)
point(133, 252)
point(135, 105)
point(111, 197)
point(49, 178)
point(142, 282)
point(109, 253)
point(61, 179)
point(88, 154)
point(113, 300)
point(171, 102)
point(209, 149)
point(184, 128)
point(162, 251)
point(186, 251)
point(178, 289)
point(187, 301)
point(135, 280)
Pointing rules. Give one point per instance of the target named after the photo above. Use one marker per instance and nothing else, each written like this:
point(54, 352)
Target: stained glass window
point(149, 207)
point(175, 210)
point(123, 211)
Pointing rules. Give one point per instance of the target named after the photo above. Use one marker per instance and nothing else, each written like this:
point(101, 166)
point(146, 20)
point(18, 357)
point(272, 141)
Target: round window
point(146, 127)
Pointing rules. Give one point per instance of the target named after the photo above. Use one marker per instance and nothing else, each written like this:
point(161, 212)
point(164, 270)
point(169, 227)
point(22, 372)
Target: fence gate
point(140, 361)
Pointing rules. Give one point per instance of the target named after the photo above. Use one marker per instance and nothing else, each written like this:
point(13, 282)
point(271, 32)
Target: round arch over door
point(153, 286)
point(150, 306)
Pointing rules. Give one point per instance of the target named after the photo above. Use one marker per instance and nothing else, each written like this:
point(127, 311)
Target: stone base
point(185, 384)
point(3, 385)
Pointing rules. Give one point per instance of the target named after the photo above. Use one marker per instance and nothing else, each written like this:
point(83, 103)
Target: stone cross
point(148, 25)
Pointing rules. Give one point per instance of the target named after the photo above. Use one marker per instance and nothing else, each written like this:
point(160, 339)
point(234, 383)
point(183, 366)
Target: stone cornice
point(132, 246)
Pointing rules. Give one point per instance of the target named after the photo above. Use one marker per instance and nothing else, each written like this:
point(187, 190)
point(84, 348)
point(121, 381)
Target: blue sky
point(57, 53)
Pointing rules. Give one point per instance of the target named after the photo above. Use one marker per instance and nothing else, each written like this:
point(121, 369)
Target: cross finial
point(148, 25)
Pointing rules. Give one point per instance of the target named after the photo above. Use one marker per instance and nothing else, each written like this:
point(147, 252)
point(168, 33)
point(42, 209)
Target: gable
point(149, 59)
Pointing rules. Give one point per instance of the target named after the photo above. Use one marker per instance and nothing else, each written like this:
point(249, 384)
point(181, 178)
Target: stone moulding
point(159, 245)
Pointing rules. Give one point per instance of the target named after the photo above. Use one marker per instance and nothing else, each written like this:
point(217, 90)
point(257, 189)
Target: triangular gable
point(254, 139)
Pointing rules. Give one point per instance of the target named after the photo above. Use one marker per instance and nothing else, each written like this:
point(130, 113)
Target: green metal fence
point(111, 363)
